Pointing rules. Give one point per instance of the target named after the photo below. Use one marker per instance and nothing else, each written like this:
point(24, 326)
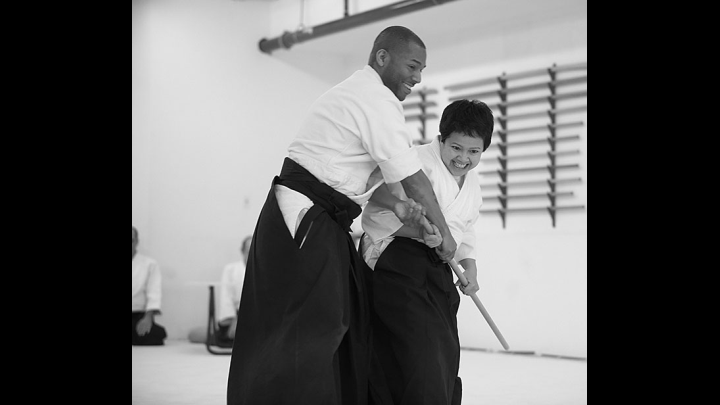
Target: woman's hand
point(471, 274)
point(432, 239)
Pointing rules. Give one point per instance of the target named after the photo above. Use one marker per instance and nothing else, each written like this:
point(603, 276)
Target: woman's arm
point(471, 274)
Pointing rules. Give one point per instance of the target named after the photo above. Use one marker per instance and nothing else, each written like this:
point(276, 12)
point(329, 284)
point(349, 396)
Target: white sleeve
point(225, 306)
point(466, 250)
point(153, 290)
point(380, 223)
point(387, 139)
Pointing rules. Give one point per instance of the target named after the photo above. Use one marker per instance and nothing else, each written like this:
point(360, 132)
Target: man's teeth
point(409, 87)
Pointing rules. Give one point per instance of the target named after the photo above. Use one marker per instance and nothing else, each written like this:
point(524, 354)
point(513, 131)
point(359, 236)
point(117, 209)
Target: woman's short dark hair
point(470, 117)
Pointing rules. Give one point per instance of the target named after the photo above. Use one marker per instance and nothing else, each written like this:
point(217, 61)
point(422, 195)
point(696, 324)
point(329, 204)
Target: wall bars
point(536, 144)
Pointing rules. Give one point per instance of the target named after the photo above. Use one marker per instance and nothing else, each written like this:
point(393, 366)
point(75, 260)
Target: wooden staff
point(464, 281)
point(458, 271)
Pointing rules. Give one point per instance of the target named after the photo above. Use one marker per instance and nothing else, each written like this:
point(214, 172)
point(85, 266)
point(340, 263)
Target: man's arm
point(419, 188)
point(408, 211)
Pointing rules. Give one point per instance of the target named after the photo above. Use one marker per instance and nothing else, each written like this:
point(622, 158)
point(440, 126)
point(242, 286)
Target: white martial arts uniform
point(231, 285)
point(460, 206)
point(350, 130)
point(146, 289)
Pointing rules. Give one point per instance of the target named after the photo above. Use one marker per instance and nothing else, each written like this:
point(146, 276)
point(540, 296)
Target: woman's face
point(461, 153)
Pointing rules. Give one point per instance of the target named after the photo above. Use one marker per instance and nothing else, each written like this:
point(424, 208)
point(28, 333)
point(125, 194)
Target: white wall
point(212, 117)
point(533, 277)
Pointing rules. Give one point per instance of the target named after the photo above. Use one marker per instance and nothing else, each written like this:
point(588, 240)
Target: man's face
point(402, 69)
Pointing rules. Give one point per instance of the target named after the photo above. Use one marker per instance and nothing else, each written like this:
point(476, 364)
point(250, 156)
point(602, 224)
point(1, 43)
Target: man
point(304, 313)
point(146, 296)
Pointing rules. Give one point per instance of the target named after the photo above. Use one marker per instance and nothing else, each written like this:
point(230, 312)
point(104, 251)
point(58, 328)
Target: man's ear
point(382, 57)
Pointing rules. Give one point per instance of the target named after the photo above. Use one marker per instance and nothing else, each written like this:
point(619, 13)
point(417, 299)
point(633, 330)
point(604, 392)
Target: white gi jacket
point(460, 206)
point(146, 286)
point(231, 285)
point(350, 130)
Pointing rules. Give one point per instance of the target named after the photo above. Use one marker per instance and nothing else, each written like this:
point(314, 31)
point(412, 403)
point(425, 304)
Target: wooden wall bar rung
point(535, 128)
point(420, 116)
point(506, 210)
point(530, 183)
point(534, 141)
point(481, 82)
point(520, 89)
point(536, 100)
point(519, 75)
point(419, 104)
point(529, 169)
point(523, 75)
point(574, 66)
point(540, 155)
point(556, 208)
point(542, 113)
point(424, 91)
point(534, 195)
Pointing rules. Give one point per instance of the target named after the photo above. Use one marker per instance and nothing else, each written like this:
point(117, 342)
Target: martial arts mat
point(181, 372)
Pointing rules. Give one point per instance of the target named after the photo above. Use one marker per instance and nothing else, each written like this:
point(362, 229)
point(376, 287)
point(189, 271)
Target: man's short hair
point(392, 39)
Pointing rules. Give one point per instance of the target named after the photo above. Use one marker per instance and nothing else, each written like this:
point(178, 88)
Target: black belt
point(340, 208)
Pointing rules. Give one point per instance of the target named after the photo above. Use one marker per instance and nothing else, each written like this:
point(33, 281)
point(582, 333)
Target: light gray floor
point(185, 373)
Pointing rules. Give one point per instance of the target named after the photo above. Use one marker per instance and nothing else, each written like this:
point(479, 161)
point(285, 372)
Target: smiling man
point(304, 311)
point(398, 62)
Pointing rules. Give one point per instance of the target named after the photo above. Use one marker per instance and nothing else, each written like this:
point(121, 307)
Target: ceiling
point(445, 24)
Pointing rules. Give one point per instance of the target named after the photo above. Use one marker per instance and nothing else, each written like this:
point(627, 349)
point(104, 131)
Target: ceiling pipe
point(288, 39)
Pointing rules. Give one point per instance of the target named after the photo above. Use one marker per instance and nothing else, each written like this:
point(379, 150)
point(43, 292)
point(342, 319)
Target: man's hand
point(409, 212)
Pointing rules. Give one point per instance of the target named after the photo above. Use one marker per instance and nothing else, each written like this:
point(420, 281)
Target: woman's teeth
point(459, 166)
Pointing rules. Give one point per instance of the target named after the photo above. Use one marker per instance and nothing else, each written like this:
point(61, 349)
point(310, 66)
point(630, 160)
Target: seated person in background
point(227, 301)
point(231, 286)
point(145, 298)
point(416, 350)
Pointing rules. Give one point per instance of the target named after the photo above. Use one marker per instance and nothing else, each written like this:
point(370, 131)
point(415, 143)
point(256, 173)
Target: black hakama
point(416, 350)
point(156, 336)
point(303, 323)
